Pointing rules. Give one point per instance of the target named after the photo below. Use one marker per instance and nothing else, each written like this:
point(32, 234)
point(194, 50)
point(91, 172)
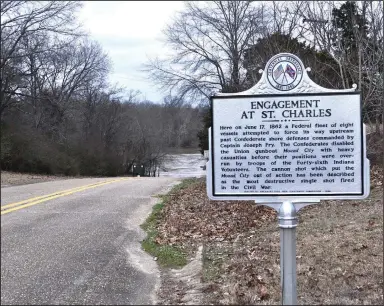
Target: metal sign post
point(287, 143)
point(287, 217)
point(287, 223)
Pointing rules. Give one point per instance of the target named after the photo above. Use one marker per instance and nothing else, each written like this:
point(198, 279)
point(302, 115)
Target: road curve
point(76, 244)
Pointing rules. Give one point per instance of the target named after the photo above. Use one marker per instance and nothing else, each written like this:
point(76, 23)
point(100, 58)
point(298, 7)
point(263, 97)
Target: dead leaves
point(190, 217)
point(360, 247)
point(376, 176)
point(263, 293)
point(338, 246)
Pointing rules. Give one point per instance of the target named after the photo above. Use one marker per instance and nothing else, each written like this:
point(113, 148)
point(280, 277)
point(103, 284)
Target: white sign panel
point(302, 144)
point(287, 137)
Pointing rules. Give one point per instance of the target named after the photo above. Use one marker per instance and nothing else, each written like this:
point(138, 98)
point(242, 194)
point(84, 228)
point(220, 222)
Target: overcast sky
point(130, 31)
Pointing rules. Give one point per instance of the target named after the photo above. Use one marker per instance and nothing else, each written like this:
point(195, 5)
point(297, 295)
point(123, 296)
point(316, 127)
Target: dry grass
point(14, 178)
point(339, 248)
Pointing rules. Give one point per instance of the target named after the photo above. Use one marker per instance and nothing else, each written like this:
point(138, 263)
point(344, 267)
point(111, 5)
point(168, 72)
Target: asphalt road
point(80, 246)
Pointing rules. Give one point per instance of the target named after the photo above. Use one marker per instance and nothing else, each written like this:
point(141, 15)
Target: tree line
point(220, 46)
point(59, 115)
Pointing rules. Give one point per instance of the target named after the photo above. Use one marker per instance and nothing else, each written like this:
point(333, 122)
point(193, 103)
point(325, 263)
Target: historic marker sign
point(287, 136)
point(287, 143)
point(291, 144)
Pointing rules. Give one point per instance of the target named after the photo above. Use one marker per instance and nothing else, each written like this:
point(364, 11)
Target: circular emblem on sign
point(284, 72)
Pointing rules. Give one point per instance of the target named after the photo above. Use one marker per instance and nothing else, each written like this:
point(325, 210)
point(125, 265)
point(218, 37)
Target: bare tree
point(209, 40)
point(283, 17)
point(356, 47)
point(19, 21)
point(59, 114)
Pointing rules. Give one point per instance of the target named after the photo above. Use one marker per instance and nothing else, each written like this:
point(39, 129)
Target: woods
point(59, 114)
point(220, 46)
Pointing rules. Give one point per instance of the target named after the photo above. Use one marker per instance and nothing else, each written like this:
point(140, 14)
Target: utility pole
point(359, 37)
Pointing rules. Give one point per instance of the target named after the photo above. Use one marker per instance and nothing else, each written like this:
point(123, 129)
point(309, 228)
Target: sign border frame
point(302, 195)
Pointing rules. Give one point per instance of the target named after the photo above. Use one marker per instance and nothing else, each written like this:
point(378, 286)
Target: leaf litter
point(339, 249)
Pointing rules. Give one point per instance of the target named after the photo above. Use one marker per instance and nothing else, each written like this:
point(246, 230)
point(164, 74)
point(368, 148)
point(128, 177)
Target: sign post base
point(287, 222)
point(287, 216)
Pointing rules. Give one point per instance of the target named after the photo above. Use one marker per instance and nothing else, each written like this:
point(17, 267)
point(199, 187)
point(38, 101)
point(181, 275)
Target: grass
point(167, 255)
point(213, 261)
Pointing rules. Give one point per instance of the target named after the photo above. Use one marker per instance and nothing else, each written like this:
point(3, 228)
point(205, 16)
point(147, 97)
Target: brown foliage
point(192, 216)
point(339, 247)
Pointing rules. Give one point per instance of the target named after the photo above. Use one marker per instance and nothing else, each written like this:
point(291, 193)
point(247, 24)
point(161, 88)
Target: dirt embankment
point(339, 250)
